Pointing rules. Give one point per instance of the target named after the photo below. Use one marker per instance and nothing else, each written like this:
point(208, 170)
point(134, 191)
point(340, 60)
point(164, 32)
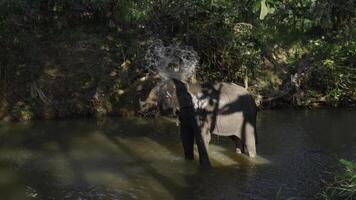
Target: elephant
point(220, 108)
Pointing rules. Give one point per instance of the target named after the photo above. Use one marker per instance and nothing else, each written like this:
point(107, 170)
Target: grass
point(343, 186)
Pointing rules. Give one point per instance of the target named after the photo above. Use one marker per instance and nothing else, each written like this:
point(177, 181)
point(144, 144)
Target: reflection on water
point(142, 159)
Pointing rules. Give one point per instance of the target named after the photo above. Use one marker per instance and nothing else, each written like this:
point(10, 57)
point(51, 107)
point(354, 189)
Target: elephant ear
point(150, 103)
point(152, 96)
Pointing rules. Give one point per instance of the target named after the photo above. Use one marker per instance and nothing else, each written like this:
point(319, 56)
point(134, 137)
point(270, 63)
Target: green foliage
point(344, 184)
point(337, 70)
point(219, 30)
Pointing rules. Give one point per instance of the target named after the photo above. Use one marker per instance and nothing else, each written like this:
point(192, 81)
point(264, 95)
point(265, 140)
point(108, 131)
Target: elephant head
point(150, 103)
point(161, 98)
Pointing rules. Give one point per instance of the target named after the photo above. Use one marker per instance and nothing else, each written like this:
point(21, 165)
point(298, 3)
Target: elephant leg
point(250, 140)
point(206, 136)
point(238, 144)
point(187, 137)
point(202, 141)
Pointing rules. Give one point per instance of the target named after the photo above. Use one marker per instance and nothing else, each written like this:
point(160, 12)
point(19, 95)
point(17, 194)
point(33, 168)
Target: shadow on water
point(142, 159)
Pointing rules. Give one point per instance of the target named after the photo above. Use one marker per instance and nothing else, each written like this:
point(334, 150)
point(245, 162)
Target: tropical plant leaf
point(264, 10)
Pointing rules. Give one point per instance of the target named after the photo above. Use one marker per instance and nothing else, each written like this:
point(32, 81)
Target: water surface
point(142, 159)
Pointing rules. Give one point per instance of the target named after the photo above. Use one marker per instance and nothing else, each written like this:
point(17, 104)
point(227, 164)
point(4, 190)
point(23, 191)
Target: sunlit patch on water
point(222, 157)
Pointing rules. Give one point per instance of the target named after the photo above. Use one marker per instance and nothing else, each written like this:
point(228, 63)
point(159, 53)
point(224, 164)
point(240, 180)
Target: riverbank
point(81, 74)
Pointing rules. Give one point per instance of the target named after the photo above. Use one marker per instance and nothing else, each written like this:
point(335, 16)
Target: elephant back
point(231, 106)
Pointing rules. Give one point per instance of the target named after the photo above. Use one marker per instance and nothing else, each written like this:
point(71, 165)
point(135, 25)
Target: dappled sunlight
point(221, 157)
point(148, 149)
point(51, 146)
point(94, 138)
point(147, 170)
point(106, 177)
point(61, 169)
point(15, 156)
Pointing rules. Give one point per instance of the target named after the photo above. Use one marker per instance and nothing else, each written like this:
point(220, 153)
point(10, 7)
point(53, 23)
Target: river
point(135, 158)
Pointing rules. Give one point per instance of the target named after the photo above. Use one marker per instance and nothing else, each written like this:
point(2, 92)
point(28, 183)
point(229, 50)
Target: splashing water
point(172, 60)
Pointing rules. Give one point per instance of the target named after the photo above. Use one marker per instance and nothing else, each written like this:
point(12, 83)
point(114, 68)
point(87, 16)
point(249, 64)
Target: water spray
point(172, 60)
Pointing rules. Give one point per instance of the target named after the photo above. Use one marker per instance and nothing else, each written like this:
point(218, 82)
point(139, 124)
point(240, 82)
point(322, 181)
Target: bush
point(335, 75)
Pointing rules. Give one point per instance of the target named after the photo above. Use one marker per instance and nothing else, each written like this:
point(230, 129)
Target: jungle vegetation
point(64, 58)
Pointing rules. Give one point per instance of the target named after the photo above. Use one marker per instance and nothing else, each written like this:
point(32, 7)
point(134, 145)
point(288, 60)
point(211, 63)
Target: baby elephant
point(223, 109)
